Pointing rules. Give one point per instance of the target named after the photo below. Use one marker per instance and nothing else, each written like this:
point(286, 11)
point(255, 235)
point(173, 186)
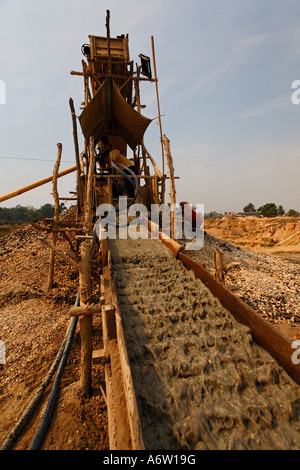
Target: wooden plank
point(133, 414)
point(124, 413)
point(100, 356)
point(118, 420)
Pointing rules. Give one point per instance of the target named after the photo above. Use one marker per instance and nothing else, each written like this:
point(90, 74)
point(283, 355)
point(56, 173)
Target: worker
point(123, 186)
point(103, 156)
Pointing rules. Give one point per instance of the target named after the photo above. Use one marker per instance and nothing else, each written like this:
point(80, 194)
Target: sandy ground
point(201, 381)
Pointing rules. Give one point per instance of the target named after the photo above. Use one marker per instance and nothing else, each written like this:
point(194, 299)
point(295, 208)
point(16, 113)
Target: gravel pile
point(269, 285)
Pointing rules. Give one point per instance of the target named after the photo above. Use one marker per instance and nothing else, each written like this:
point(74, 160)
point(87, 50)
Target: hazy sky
point(225, 72)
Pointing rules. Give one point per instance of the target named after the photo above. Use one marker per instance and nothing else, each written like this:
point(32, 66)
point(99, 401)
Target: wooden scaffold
point(111, 94)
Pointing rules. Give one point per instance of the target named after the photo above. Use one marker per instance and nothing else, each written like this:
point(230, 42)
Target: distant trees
point(270, 210)
point(20, 214)
point(213, 215)
point(292, 213)
point(249, 208)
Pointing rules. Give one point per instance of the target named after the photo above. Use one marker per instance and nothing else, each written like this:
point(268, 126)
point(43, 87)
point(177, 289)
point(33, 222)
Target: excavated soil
point(257, 232)
point(201, 381)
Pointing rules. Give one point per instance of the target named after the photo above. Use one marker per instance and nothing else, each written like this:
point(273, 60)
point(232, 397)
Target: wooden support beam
point(158, 106)
point(77, 156)
point(85, 283)
point(108, 41)
point(220, 268)
point(172, 181)
point(85, 321)
point(158, 173)
point(79, 74)
point(56, 215)
point(59, 252)
point(89, 190)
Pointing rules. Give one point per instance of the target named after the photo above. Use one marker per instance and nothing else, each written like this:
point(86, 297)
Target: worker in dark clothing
point(103, 156)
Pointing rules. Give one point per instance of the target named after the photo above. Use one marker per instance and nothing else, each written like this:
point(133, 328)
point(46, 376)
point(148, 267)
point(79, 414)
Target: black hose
point(13, 435)
point(40, 434)
point(135, 183)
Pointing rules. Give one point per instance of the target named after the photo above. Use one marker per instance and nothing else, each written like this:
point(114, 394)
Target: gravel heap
point(269, 285)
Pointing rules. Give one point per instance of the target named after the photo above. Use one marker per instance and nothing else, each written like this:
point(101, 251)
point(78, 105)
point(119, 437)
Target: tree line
point(25, 214)
point(271, 210)
point(267, 210)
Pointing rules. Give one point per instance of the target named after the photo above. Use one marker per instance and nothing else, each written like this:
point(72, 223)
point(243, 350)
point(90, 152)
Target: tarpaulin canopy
point(108, 110)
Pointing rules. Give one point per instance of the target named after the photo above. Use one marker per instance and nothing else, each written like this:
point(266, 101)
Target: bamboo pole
point(56, 215)
point(77, 157)
point(108, 41)
point(89, 310)
point(172, 181)
point(89, 191)
point(138, 102)
point(67, 258)
point(86, 321)
point(17, 192)
point(158, 106)
point(158, 173)
point(86, 84)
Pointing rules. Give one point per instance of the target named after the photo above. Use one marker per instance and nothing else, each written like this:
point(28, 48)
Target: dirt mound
point(254, 232)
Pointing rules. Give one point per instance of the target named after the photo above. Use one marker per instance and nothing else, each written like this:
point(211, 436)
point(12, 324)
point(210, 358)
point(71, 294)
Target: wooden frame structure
point(108, 58)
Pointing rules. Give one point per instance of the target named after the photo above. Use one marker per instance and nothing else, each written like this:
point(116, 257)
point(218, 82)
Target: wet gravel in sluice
point(200, 380)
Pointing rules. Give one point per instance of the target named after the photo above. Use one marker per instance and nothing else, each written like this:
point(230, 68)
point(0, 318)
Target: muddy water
point(200, 380)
